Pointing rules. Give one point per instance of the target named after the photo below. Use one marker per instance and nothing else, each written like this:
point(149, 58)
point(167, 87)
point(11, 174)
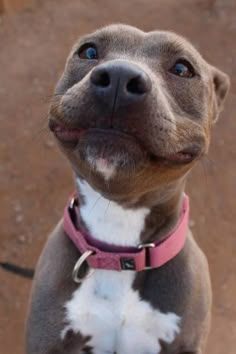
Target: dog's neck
point(112, 223)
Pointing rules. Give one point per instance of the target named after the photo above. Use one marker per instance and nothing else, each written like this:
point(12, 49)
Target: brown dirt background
point(35, 180)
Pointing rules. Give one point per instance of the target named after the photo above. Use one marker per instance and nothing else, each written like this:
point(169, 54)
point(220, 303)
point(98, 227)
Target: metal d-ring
point(72, 203)
point(78, 264)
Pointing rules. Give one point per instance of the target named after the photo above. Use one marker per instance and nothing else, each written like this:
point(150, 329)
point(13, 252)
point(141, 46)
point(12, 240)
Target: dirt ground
point(35, 180)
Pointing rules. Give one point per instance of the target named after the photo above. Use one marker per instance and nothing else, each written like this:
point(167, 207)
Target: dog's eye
point(88, 51)
point(183, 68)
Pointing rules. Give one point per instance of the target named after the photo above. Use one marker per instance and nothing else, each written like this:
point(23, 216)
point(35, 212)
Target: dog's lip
point(67, 133)
point(181, 157)
point(64, 132)
point(186, 155)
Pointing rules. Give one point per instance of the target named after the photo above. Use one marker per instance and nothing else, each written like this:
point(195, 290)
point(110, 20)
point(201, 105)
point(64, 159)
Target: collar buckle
point(146, 246)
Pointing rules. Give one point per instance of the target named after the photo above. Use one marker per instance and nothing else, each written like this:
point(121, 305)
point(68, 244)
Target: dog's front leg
point(52, 288)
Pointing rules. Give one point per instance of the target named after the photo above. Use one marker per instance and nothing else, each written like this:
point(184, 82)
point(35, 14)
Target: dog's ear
point(221, 84)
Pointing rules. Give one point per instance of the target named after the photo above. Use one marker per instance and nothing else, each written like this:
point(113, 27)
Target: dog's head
point(134, 110)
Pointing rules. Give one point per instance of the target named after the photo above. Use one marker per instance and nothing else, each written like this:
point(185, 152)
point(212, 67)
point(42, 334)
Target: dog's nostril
point(100, 78)
point(104, 80)
point(138, 85)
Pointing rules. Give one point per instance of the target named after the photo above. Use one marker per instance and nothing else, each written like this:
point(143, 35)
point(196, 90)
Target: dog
point(121, 273)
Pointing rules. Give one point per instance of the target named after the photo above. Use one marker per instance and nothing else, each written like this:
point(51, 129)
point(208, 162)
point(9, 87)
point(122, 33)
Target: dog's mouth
point(66, 134)
point(72, 136)
point(185, 156)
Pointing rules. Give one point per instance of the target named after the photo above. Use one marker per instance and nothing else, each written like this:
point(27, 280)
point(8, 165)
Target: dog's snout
point(127, 81)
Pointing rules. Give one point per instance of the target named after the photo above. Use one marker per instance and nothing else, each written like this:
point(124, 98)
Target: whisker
point(49, 98)
point(95, 204)
point(209, 160)
point(38, 134)
point(182, 127)
point(109, 202)
point(171, 145)
point(204, 172)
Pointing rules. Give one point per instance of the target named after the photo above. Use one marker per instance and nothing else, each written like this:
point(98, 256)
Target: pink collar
point(101, 255)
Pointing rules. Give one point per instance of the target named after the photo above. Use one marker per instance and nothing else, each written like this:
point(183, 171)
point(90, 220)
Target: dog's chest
point(118, 321)
point(106, 306)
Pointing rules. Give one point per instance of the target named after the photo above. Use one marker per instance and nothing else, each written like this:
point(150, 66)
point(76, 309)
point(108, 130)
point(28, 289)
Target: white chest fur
point(105, 306)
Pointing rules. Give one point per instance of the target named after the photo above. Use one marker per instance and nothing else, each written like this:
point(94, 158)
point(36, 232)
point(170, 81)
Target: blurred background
point(35, 180)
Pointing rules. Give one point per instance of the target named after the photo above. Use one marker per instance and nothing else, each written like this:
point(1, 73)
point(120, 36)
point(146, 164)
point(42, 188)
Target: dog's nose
point(122, 81)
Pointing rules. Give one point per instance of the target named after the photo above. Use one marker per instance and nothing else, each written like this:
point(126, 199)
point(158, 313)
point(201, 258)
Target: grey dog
point(132, 112)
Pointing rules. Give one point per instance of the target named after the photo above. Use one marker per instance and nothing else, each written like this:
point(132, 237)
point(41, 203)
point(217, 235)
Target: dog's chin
point(111, 153)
